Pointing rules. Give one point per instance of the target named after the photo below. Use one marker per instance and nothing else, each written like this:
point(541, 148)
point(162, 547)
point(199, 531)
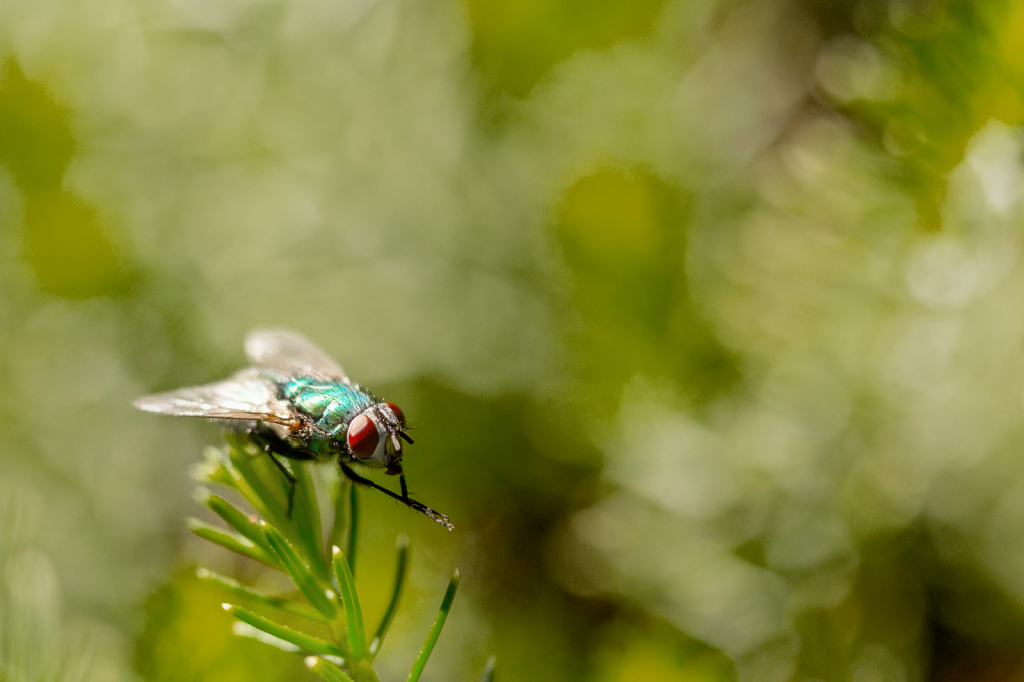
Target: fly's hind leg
point(275, 446)
point(289, 476)
point(404, 499)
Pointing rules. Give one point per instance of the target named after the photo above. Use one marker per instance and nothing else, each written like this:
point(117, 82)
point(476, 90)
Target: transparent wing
point(291, 354)
point(246, 395)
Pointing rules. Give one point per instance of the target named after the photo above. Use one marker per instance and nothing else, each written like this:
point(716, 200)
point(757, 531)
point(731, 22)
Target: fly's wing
point(246, 395)
point(291, 354)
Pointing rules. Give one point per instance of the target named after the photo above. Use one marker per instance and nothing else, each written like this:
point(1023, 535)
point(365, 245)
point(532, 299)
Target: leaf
point(353, 526)
point(233, 541)
point(245, 630)
point(215, 468)
point(252, 485)
point(341, 515)
point(305, 520)
point(349, 598)
point(300, 639)
point(300, 573)
point(236, 590)
point(234, 518)
point(435, 629)
point(396, 593)
point(326, 670)
point(488, 674)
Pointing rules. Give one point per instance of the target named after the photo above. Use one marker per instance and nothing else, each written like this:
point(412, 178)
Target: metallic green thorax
point(330, 404)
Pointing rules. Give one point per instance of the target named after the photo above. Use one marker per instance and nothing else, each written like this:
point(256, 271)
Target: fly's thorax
point(324, 448)
point(373, 439)
point(328, 403)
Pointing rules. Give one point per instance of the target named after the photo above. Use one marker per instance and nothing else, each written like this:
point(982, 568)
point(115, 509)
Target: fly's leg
point(288, 475)
point(404, 499)
point(275, 447)
point(405, 490)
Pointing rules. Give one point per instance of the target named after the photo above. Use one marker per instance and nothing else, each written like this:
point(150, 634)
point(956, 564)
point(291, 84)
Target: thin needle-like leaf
point(234, 518)
point(321, 598)
point(309, 643)
point(213, 469)
point(254, 487)
point(233, 541)
point(353, 614)
point(353, 527)
point(435, 629)
point(488, 674)
point(400, 572)
point(326, 670)
point(245, 630)
point(305, 522)
point(341, 514)
point(238, 591)
point(268, 491)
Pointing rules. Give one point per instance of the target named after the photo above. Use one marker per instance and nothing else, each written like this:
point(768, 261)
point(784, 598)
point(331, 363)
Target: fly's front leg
point(404, 499)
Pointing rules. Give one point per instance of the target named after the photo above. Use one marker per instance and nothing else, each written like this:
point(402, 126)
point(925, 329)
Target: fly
point(297, 402)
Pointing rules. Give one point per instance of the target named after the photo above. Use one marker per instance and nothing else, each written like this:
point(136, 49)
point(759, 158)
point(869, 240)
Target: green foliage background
point(709, 315)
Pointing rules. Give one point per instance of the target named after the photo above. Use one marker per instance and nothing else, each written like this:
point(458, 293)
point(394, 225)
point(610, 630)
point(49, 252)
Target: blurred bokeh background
point(709, 315)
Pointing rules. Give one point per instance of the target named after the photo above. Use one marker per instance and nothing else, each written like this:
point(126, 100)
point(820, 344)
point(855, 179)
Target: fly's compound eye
point(362, 437)
point(398, 413)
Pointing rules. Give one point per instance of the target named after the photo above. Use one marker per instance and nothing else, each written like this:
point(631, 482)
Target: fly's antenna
point(404, 436)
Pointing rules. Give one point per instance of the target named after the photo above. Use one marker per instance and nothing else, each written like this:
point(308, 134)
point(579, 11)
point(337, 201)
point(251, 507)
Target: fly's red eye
point(362, 437)
point(398, 412)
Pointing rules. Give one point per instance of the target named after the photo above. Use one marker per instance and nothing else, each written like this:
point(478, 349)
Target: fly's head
point(375, 437)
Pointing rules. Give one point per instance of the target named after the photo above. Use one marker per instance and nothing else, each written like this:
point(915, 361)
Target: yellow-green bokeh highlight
point(187, 636)
point(653, 652)
point(66, 242)
point(622, 235)
point(515, 44)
